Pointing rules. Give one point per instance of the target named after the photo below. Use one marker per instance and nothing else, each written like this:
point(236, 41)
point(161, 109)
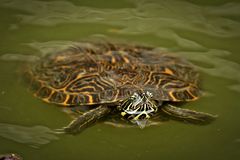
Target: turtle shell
point(100, 73)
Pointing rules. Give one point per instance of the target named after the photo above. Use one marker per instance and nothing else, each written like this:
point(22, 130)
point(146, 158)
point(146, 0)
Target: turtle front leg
point(87, 119)
point(188, 115)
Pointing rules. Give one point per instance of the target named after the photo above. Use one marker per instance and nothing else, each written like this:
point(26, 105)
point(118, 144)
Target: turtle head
point(139, 107)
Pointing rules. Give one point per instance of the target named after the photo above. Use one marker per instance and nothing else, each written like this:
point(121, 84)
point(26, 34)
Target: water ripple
point(155, 17)
point(33, 136)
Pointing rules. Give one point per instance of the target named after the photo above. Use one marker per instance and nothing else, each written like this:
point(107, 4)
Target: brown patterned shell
point(107, 73)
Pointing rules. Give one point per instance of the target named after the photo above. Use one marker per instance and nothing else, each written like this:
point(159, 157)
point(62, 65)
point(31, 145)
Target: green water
point(206, 33)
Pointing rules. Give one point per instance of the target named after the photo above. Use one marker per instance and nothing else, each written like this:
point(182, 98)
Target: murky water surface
point(206, 33)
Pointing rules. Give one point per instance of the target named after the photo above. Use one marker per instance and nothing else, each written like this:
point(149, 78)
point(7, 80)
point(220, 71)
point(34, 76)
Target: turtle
point(133, 81)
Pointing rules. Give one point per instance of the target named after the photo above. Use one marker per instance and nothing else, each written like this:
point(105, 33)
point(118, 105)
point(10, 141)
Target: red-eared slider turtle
point(134, 81)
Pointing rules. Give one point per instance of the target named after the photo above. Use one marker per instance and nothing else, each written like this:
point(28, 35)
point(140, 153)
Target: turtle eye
point(134, 96)
point(133, 99)
point(149, 94)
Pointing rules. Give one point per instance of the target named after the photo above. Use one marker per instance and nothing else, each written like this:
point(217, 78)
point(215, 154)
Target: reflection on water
point(219, 65)
point(160, 18)
point(33, 136)
point(18, 57)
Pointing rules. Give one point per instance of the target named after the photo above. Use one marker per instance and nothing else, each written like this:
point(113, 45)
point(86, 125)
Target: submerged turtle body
point(135, 80)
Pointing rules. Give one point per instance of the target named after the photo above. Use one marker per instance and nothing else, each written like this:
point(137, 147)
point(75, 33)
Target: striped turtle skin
point(115, 76)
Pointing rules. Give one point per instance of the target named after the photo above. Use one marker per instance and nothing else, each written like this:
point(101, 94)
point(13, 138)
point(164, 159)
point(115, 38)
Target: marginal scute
point(57, 97)
point(107, 73)
point(44, 92)
point(35, 85)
